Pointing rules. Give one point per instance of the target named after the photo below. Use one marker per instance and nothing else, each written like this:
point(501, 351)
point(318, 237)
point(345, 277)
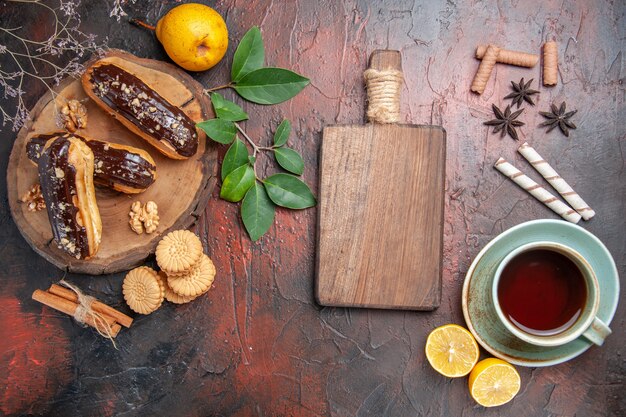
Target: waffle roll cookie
point(122, 168)
point(550, 63)
point(537, 191)
point(484, 69)
point(66, 167)
point(555, 180)
point(141, 109)
point(520, 59)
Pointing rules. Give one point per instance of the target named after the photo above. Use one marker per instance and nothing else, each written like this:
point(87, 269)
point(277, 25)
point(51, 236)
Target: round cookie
point(178, 252)
point(142, 290)
point(162, 278)
point(196, 281)
point(170, 295)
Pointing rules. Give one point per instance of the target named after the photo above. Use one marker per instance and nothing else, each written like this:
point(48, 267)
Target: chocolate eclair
point(66, 167)
point(141, 109)
point(123, 168)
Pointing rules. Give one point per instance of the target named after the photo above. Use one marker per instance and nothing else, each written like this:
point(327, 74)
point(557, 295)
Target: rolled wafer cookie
point(556, 181)
point(537, 191)
point(505, 56)
point(550, 63)
point(484, 69)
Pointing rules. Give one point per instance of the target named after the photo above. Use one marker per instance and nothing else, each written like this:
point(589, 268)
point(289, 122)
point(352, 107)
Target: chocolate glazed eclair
point(66, 168)
point(123, 168)
point(141, 109)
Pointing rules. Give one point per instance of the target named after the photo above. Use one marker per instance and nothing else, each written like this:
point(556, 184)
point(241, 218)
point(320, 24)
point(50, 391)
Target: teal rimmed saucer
point(480, 314)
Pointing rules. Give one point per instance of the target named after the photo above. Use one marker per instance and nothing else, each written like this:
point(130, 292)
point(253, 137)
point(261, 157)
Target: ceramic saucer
point(480, 314)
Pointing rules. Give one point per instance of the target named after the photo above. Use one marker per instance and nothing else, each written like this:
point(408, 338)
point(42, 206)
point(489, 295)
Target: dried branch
point(47, 61)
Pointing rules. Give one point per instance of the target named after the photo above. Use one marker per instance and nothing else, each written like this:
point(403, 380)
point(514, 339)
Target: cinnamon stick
point(69, 307)
point(98, 306)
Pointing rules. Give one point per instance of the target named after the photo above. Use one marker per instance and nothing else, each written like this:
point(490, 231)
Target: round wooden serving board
point(181, 190)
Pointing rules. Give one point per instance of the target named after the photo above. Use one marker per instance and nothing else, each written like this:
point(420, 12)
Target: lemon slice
point(493, 382)
point(451, 350)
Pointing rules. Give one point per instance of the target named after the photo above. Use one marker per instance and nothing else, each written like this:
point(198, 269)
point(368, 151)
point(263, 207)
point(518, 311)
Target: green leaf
point(270, 85)
point(288, 191)
point(237, 183)
point(236, 156)
point(222, 131)
point(290, 160)
point(282, 133)
point(249, 55)
point(252, 159)
point(257, 212)
point(226, 109)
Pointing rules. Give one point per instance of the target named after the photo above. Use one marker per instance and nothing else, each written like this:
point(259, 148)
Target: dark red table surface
point(258, 344)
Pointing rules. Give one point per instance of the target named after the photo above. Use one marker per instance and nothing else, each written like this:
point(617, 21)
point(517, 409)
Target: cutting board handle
point(384, 83)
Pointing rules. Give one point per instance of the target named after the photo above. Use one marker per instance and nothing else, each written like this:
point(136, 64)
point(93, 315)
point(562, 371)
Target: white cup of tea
point(547, 294)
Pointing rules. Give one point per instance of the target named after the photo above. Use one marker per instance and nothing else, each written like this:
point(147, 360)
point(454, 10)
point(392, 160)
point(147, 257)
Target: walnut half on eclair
point(141, 109)
point(66, 168)
point(123, 168)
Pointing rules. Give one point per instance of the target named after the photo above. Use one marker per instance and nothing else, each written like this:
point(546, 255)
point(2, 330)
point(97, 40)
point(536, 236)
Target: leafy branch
point(240, 181)
point(258, 84)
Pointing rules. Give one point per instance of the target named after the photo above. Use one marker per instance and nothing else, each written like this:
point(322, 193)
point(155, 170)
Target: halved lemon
point(493, 382)
point(452, 350)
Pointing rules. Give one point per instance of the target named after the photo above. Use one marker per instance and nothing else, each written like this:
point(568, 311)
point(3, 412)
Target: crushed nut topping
point(144, 218)
point(73, 115)
point(135, 221)
point(150, 216)
point(34, 199)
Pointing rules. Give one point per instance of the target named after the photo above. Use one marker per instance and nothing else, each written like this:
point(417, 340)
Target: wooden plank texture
point(381, 216)
point(380, 229)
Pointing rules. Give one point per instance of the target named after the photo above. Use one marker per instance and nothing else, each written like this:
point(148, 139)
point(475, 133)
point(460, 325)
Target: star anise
point(505, 122)
point(558, 117)
point(522, 92)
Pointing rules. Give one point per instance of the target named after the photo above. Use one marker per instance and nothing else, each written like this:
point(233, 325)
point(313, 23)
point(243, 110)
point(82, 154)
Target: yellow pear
point(193, 35)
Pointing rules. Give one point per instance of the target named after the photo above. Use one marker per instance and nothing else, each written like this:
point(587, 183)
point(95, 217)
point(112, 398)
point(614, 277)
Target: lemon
point(493, 382)
point(451, 350)
point(193, 35)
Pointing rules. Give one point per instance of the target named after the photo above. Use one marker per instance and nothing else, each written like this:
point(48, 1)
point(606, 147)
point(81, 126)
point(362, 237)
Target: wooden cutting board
point(181, 190)
point(381, 212)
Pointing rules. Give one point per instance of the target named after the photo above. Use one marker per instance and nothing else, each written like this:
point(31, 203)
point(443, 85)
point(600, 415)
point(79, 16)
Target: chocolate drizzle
point(136, 101)
point(112, 165)
point(35, 145)
point(58, 186)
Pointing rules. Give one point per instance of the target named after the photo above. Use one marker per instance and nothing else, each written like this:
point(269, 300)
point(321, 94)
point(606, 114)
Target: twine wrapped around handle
point(384, 83)
point(84, 310)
